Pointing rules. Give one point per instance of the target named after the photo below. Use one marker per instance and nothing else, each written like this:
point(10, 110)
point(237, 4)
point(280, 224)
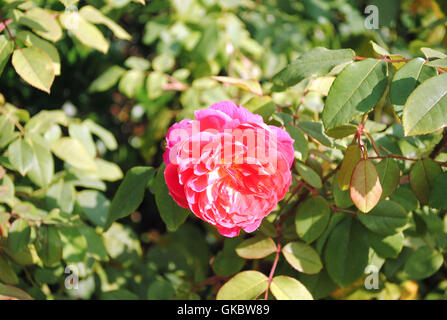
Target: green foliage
point(366, 109)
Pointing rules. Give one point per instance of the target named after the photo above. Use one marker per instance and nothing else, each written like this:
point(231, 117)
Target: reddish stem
point(384, 58)
point(272, 271)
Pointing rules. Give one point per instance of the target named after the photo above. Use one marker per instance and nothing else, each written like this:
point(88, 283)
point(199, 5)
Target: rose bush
point(356, 210)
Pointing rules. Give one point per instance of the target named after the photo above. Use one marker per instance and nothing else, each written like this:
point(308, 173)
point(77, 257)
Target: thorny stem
point(5, 24)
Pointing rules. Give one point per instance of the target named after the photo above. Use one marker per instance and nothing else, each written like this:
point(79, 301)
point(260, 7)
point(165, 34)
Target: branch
point(440, 146)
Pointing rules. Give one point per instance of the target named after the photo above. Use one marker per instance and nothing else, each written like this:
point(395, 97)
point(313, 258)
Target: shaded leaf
point(387, 217)
point(422, 178)
point(346, 252)
point(316, 62)
point(130, 194)
point(312, 218)
point(423, 263)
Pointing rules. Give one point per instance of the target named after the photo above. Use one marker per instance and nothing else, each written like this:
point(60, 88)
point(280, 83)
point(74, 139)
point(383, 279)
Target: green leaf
point(315, 131)
point(95, 244)
point(387, 218)
point(163, 62)
point(252, 86)
point(319, 285)
point(122, 244)
point(48, 245)
point(95, 16)
point(423, 263)
point(342, 131)
point(406, 79)
point(352, 156)
point(422, 178)
point(43, 23)
point(82, 133)
point(41, 173)
point(160, 290)
point(346, 252)
point(206, 48)
point(405, 197)
point(438, 197)
point(171, 213)
point(19, 235)
point(9, 292)
point(131, 82)
point(386, 246)
point(154, 84)
point(227, 262)
point(7, 273)
point(84, 31)
point(316, 62)
point(262, 106)
point(389, 175)
point(426, 108)
point(6, 48)
point(302, 257)
point(288, 288)
point(26, 257)
point(342, 198)
point(365, 188)
point(300, 145)
point(62, 196)
point(309, 175)
point(378, 49)
point(74, 244)
point(257, 247)
point(73, 152)
point(103, 134)
point(21, 156)
point(94, 205)
point(312, 218)
point(44, 120)
point(431, 53)
point(355, 91)
point(7, 191)
point(130, 194)
point(35, 67)
point(32, 40)
point(440, 63)
point(121, 294)
point(107, 79)
point(137, 63)
point(7, 133)
point(247, 285)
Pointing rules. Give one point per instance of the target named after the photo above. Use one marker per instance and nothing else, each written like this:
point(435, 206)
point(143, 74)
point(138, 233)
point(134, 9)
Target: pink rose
point(228, 166)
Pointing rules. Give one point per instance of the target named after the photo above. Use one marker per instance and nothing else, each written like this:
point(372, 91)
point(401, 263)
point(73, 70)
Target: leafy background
point(128, 72)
